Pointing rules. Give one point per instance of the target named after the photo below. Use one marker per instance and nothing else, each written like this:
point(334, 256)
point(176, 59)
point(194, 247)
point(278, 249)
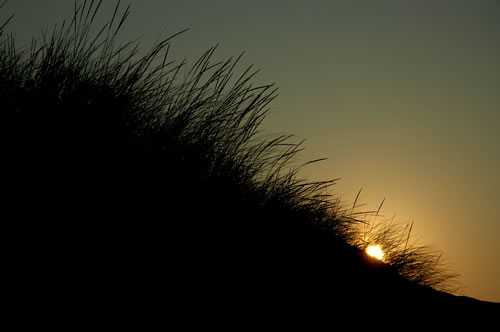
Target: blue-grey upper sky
point(402, 96)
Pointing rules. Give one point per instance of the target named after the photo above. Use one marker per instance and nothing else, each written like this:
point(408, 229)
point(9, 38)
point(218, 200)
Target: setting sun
point(375, 251)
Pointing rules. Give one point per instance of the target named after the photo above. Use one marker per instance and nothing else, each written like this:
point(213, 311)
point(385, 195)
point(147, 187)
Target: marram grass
point(193, 130)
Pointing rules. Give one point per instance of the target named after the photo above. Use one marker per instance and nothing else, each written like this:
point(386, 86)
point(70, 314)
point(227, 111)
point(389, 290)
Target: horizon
point(403, 101)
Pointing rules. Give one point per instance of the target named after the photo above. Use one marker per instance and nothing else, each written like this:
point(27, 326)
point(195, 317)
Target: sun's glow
point(375, 251)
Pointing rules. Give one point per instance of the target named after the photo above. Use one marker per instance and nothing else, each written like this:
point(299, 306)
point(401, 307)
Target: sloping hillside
point(132, 180)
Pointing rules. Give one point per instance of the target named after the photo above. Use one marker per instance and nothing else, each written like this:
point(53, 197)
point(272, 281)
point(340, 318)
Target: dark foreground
point(106, 224)
point(122, 235)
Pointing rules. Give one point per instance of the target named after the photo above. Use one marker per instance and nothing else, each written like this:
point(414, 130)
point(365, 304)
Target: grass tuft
point(149, 136)
point(418, 263)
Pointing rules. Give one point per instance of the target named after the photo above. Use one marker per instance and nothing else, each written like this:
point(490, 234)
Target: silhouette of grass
point(163, 138)
point(418, 263)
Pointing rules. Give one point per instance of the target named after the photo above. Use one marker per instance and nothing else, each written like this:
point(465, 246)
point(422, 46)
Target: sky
point(401, 96)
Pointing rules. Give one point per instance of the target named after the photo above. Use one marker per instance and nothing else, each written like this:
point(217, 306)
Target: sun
point(375, 251)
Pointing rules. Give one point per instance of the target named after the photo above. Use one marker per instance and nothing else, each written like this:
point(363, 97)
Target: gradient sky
point(402, 96)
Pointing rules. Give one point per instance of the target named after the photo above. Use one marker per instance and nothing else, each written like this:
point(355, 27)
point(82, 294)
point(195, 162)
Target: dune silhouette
point(133, 181)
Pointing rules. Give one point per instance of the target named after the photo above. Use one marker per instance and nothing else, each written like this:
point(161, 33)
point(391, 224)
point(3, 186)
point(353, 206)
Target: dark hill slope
point(130, 189)
point(131, 222)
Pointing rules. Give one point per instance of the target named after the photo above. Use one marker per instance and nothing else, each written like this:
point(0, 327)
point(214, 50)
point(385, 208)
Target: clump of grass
point(418, 263)
point(75, 94)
